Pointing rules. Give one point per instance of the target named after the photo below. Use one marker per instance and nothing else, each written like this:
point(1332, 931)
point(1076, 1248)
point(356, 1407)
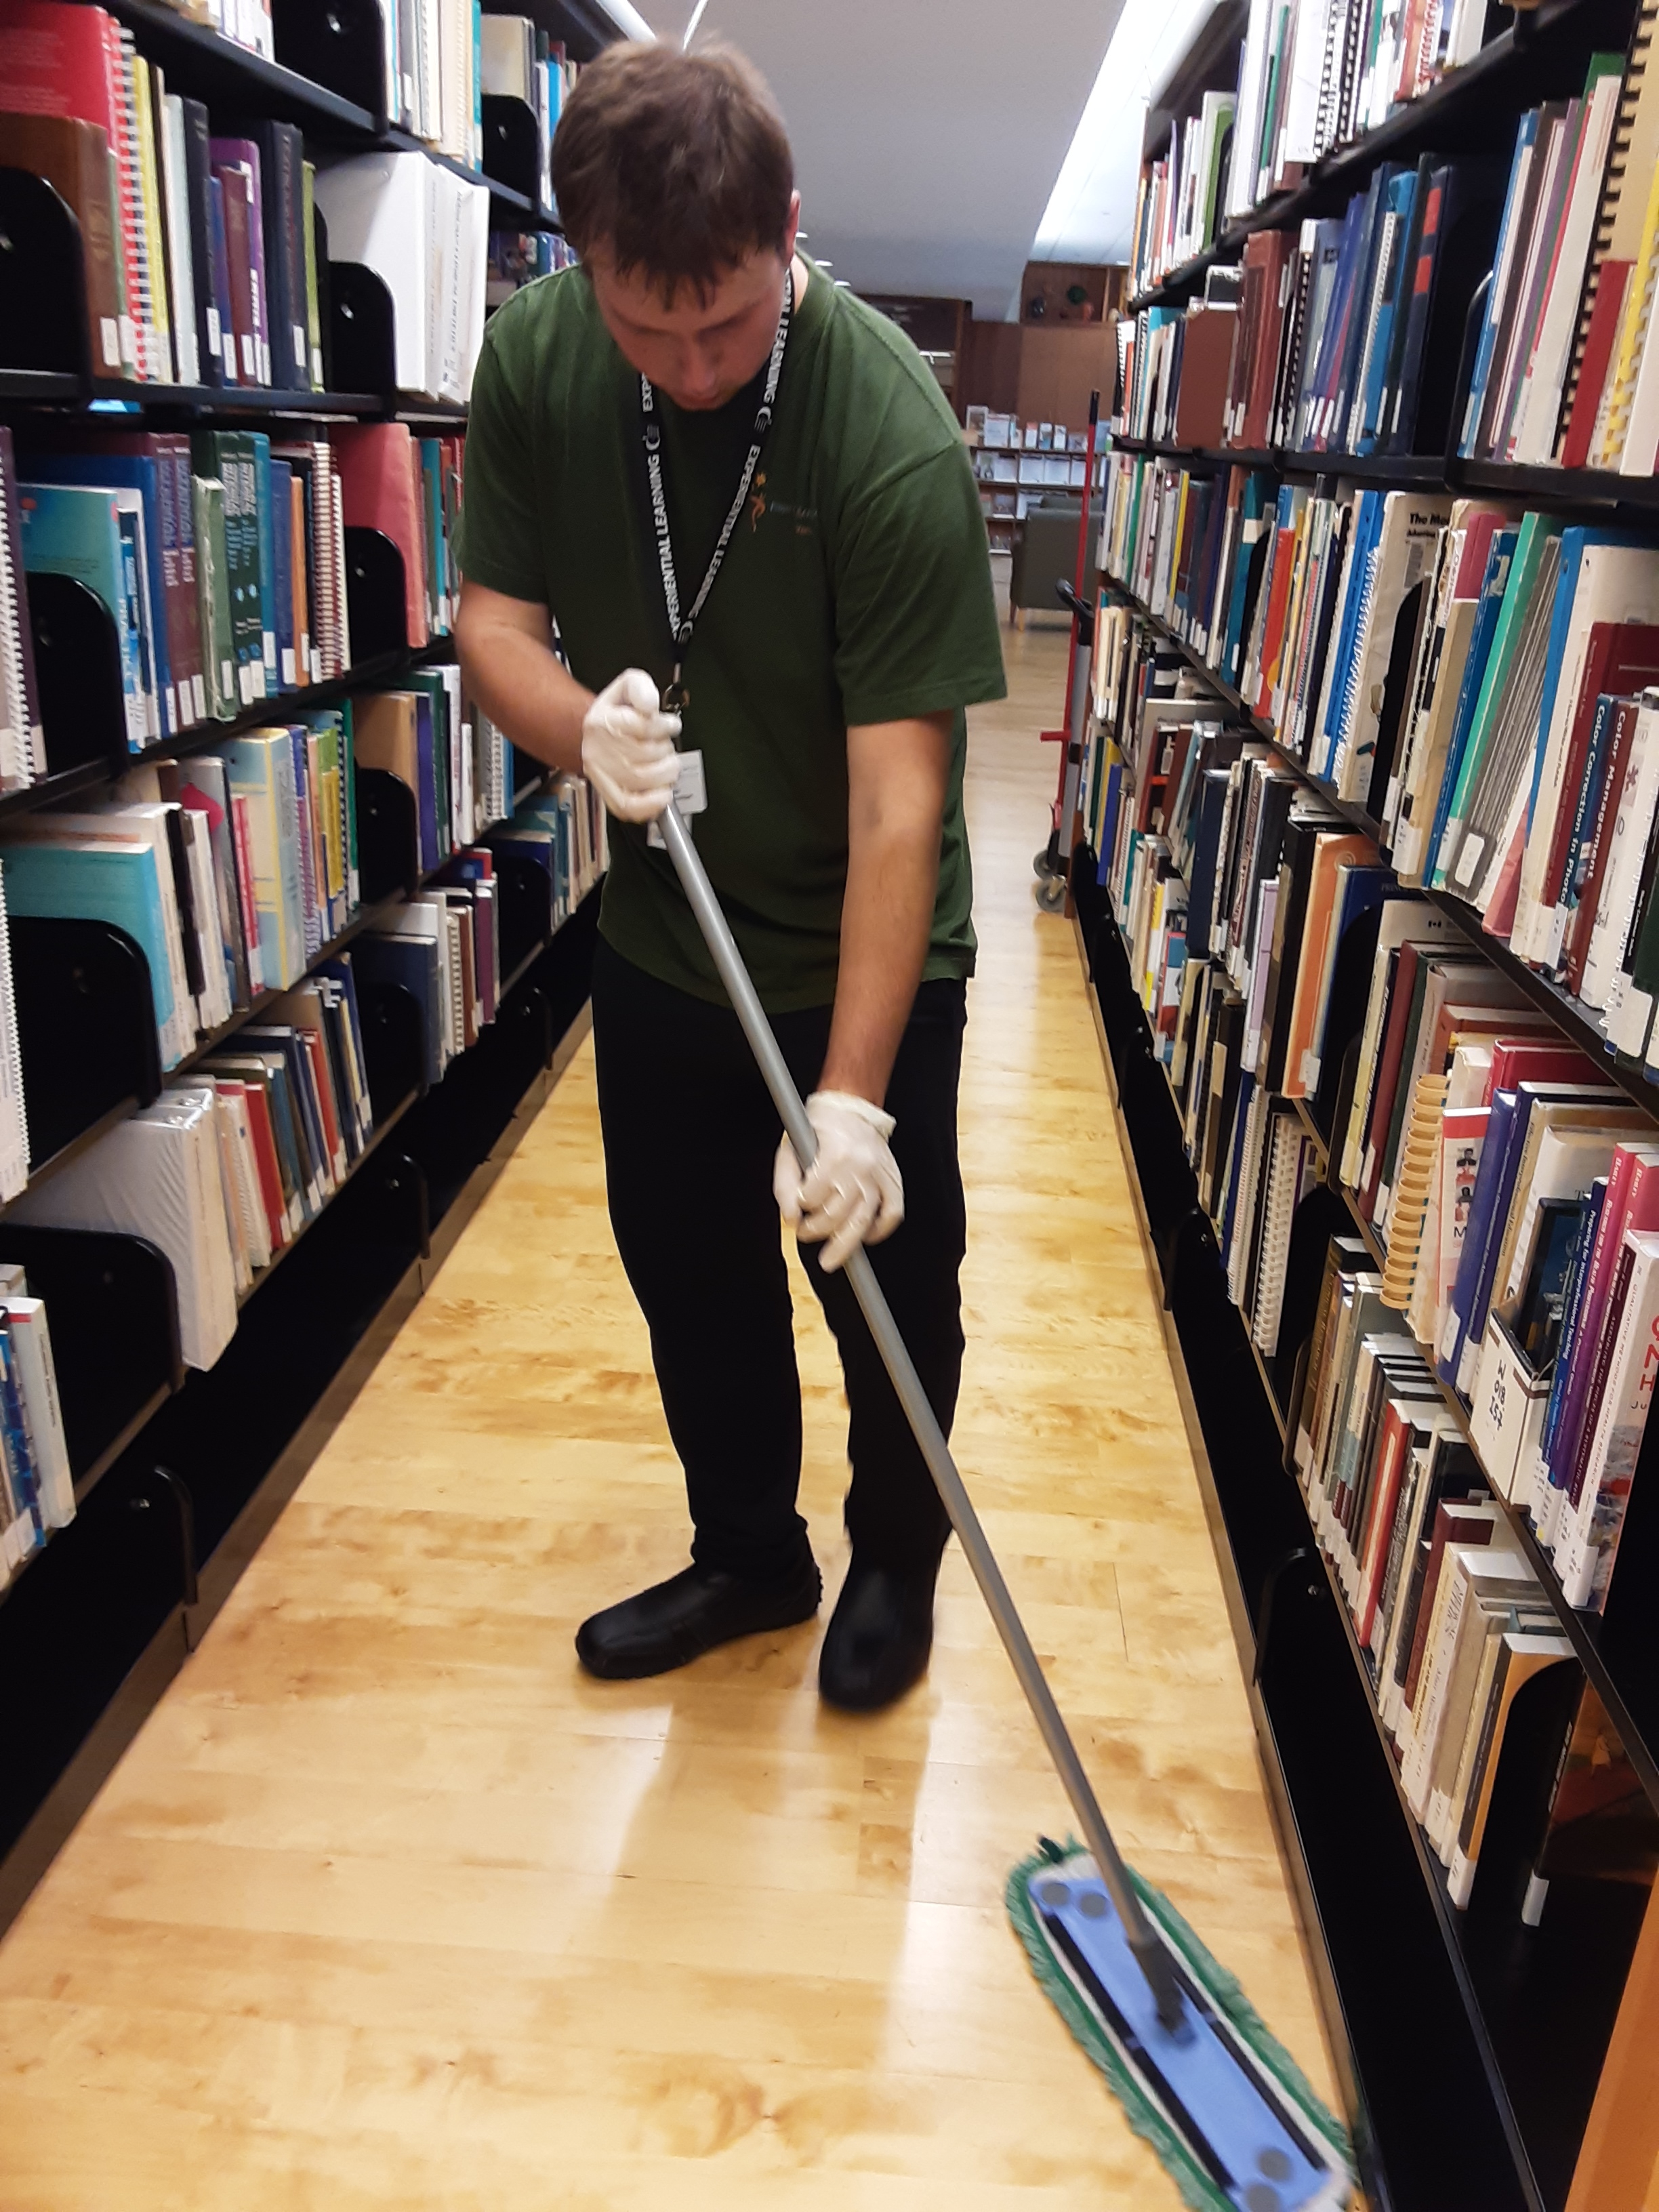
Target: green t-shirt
point(856, 590)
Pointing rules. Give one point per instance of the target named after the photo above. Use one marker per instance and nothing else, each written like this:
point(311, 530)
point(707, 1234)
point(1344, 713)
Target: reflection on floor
point(389, 1907)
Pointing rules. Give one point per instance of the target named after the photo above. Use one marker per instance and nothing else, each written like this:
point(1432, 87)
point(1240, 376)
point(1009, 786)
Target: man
point(697, 402)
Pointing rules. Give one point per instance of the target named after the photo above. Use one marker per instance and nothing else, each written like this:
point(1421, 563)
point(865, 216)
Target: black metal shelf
point(108, 400)
point(382, 1130)
point(1601, 492)
point(199, 737)
point(200, 59)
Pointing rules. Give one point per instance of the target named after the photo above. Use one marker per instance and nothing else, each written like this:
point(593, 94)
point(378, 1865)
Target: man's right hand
point(627, 748)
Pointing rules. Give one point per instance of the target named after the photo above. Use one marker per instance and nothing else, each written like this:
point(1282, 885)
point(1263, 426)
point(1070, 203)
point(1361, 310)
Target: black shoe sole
point(789, 1612)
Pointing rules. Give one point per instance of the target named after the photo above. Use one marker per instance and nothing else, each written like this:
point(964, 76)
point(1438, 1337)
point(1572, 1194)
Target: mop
point(1197, 2072)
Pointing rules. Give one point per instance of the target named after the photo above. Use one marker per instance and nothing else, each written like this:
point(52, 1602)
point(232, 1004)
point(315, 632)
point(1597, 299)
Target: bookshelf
point(1470, 2037)
point(1470, 106)
point(177, 1471)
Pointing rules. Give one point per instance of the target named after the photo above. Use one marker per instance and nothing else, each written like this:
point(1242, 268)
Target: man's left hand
point(852, 1193)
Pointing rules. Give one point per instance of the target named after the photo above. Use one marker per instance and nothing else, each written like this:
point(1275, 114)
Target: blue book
point(426, 795)
point(1398, 217)
point(22, 1474)
point(1331, 249)
point(340, 972)
point(219, 260)
point(1367, 524)
point(71, 530)
point(1235, 1164)
point(282, 547)
point(130, 472)
point(1581, 842)
point(1493, 585)
point(1572, 1307)
point(1525, 137)
point(99, 882)
point(409, 963)
point(264, 543)
point(313, 894)
point(1109, 817)
point(1480, 1233)
point(1356, 308)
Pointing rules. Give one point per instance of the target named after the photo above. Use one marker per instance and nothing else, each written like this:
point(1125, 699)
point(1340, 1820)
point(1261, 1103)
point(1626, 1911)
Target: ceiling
point(925, 144)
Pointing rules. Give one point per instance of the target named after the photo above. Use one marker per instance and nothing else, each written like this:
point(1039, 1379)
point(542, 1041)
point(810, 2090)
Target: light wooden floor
point(389, 1907)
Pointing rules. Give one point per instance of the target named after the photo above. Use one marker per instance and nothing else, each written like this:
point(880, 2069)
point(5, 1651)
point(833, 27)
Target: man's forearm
point(885, 922)
point(525, 690)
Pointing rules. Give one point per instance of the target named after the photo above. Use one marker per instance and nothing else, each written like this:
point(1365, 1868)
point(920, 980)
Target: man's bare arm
point(898, 775)
point(509, 666)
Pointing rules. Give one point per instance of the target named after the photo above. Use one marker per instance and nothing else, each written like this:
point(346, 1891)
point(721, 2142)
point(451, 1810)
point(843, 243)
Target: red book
point(57, 57)
point(380, 490)
point(1278, 599)
point(1385, 1491)
point(1454, 1523)
point(264, 1155)
point(1622, 659)
point(1527, 1060)
point(1388, 1073)
point(1612, 281)
point(1576, 944)
point(236, 185)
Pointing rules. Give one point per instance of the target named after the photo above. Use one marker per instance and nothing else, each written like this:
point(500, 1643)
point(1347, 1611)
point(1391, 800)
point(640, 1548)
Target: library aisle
point(389, 1906)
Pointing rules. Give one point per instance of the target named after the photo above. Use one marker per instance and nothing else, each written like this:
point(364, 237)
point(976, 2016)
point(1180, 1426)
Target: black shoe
point(676, 1621)
point(879, 1635)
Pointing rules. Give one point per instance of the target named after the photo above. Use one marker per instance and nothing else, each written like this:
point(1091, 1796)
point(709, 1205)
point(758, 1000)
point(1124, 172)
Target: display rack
point(177, 1472)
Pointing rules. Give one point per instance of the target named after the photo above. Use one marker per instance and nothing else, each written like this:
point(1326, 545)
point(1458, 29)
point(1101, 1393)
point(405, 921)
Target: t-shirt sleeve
point(916, 627)
point(500, 541)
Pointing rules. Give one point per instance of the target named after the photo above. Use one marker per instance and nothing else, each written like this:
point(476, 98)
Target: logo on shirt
point(803, 518)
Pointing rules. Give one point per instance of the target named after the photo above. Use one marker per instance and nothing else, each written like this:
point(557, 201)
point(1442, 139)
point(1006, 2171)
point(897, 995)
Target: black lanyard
point(681, 626)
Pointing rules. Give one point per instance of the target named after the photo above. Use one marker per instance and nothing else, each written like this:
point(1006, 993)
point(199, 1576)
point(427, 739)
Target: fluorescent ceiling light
point(696, 18)
point(1091, 210)
point(629, 21)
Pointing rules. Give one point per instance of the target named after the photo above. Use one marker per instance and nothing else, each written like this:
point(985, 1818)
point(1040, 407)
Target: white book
point(1468, 1571)
point(14, 1124)
point(43, 1413)
point(116, 824)
point(174, 194)
point(1621, 874)
point(152, 1175)
point(1524, 272)
point(1541, 397)
point(378, 210)
point(1587, 1544)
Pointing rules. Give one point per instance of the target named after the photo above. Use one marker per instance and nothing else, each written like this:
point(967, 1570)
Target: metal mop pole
point(1153, 1959)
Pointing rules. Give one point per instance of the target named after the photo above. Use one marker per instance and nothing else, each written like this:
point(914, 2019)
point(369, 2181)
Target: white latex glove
point(627, 748)
point(853, 1193)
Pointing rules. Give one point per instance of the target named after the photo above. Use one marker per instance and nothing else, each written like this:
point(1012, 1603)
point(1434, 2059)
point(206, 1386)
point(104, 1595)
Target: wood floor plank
point(389, 1909)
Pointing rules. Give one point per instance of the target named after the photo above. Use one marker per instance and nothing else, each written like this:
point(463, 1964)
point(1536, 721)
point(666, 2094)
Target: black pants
point(689, 1135)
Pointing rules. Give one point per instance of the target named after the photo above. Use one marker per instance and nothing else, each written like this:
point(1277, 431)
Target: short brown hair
point(678, 164)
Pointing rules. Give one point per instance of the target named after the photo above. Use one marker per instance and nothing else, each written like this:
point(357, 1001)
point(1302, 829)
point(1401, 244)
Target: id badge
point(690, 793)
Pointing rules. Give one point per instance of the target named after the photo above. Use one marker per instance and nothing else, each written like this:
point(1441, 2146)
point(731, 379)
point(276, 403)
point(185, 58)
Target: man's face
point(700, 349)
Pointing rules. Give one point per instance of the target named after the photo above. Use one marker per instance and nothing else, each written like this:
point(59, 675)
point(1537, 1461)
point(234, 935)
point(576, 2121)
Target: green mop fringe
point(1198, 2192)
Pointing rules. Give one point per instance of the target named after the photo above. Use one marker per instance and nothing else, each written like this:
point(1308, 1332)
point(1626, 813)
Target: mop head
point(1221, 2102)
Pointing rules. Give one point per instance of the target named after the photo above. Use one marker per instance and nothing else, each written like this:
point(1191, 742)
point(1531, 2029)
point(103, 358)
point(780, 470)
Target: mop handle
point(1153, 1959)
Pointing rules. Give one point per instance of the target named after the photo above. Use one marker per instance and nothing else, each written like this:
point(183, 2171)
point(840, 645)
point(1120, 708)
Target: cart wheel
point(1043, 865)
point(1051, 894)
